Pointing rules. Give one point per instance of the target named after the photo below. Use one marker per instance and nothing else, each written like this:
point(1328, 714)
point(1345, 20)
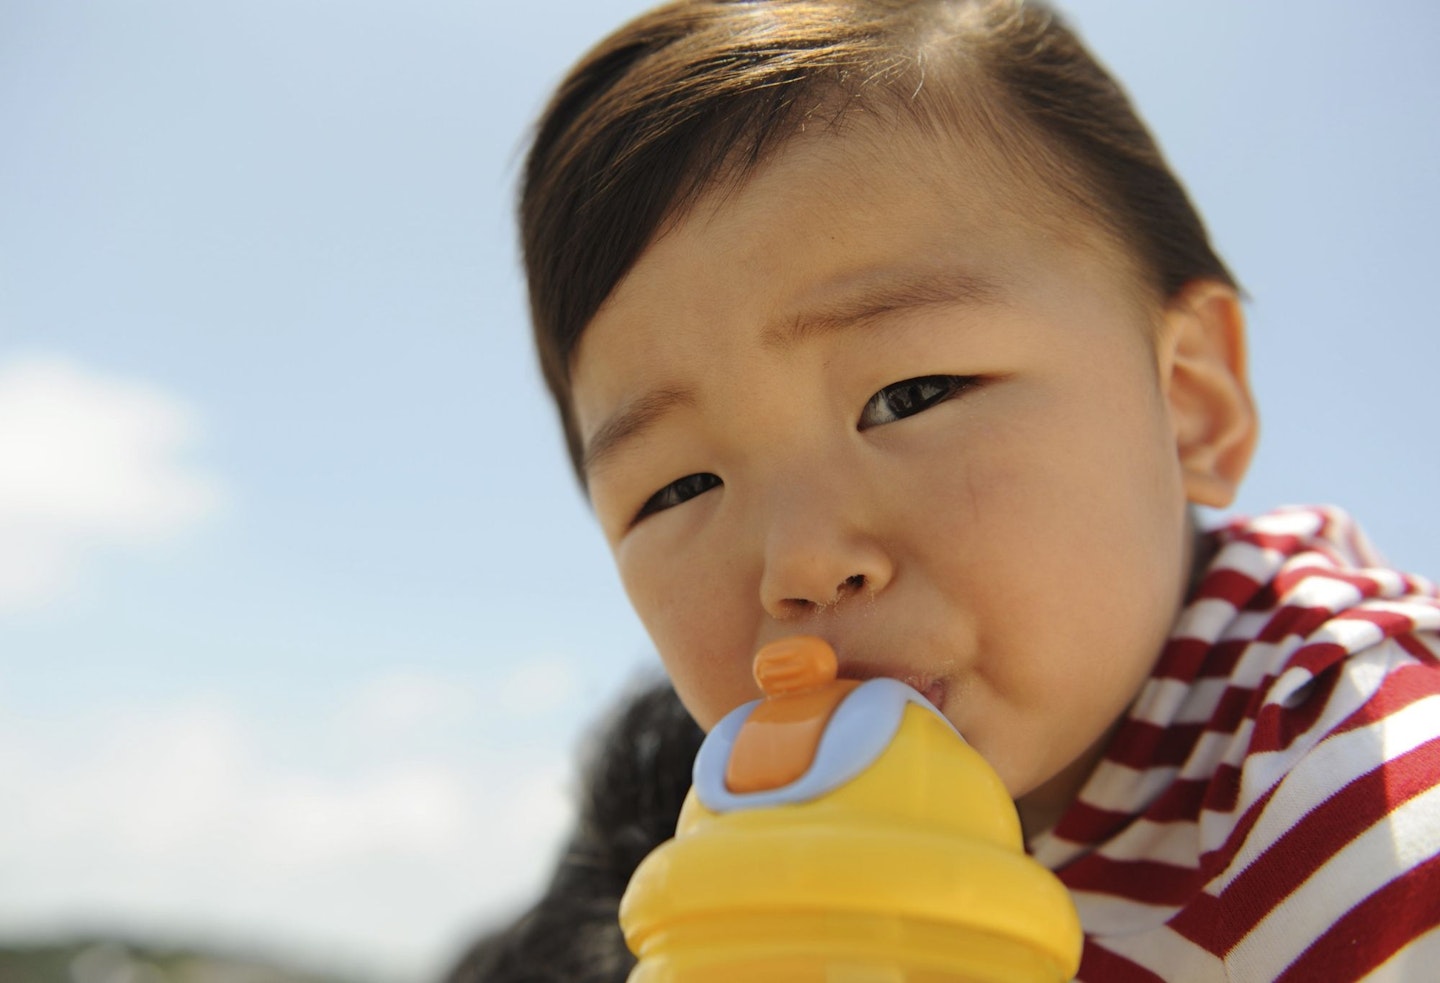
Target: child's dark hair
point(698, 93)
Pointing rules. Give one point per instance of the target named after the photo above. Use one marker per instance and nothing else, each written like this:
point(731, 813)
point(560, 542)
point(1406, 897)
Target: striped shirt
point(1269, 809)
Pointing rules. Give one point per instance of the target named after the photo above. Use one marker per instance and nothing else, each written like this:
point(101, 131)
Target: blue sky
point(301, 614)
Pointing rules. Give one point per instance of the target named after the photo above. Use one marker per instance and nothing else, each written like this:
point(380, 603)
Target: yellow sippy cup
point(843, 832)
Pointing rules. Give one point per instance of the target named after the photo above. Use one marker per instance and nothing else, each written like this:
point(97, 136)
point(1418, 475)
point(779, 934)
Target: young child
point(886, 322)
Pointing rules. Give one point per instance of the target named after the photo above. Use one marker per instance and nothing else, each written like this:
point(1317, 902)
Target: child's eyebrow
point(631, 421)
point(880, 293)
point(864, 298)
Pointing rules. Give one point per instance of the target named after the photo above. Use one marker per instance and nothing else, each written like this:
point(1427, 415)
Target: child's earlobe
point(1203, 371)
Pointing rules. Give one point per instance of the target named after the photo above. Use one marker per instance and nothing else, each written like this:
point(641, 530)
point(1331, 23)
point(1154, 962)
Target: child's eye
point(678, 491)
point(902, 399)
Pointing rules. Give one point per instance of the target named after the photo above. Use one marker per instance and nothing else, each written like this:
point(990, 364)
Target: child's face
point(865, 402)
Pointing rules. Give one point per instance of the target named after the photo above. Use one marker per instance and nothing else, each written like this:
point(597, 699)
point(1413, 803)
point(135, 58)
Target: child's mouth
point(935, 693)
point(934, 690)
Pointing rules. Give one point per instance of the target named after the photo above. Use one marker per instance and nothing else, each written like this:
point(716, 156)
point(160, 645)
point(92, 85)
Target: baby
point(887, 322)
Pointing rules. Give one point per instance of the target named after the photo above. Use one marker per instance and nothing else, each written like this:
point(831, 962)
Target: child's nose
point(818, 554)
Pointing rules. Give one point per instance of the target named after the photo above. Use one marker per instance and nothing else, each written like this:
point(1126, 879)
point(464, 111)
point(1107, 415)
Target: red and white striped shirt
point(1269, 809)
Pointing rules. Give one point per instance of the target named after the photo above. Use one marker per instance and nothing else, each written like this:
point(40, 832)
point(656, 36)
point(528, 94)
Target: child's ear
point(1202, 366)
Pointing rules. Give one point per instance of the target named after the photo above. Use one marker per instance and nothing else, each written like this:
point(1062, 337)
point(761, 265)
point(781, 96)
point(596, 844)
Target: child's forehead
point(847, 158)
point(960, 198)
point(833, 229)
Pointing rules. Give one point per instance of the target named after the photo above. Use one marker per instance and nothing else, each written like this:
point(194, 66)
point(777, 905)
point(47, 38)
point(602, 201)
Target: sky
point(302, 617)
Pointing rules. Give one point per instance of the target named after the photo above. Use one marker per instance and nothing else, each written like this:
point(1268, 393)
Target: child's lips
point(935, 693)
point(932, 688)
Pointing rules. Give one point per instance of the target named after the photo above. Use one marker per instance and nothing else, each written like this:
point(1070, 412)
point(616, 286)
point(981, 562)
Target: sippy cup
point(843, 832)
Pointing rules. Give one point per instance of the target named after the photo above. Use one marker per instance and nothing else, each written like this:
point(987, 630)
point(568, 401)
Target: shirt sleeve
point(1333, 869)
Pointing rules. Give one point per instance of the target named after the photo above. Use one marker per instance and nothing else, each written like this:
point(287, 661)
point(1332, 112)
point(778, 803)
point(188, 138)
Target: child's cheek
point(695, 613)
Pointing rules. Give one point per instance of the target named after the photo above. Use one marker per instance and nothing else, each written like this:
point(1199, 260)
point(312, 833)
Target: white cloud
point(87, 461)
point(405, 700)
point(410, 705)
point(381, 829)
point(536, 687)
point(188, 816)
